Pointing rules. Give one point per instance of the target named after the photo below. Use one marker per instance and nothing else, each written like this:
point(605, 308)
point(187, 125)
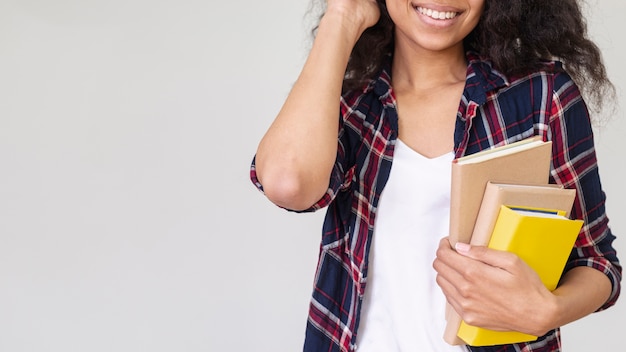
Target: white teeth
point(443, 15)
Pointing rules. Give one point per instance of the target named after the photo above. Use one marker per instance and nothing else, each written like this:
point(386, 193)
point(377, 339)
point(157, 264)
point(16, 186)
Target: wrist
point(550, 317)
point(341, 26)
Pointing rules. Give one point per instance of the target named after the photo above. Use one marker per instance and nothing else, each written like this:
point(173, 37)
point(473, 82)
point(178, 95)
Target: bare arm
point(295, 157)
point(581, 292)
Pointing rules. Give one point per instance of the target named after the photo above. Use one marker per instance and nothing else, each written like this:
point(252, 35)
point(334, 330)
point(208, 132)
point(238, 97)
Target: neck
point(414, 69)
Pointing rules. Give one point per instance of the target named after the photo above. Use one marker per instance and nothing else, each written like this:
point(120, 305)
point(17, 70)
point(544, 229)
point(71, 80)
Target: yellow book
point(543, 238)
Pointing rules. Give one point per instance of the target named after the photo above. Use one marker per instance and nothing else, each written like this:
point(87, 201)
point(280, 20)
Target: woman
point(418, 84)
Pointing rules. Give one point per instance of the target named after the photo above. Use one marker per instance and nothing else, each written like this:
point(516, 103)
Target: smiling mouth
point(437, 15)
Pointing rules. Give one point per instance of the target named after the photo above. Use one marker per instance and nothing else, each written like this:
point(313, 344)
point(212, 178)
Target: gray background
point(127, 220)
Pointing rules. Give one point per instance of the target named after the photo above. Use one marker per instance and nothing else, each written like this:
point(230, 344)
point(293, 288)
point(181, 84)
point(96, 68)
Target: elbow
point(292, 192)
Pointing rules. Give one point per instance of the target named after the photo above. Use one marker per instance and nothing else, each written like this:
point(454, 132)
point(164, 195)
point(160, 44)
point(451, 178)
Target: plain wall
point(127, 219)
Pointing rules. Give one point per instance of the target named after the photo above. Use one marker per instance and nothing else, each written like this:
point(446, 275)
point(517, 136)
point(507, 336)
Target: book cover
point(526, 161)
point(543, 238)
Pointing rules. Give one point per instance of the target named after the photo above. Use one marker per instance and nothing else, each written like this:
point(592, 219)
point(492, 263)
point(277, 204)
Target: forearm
point(582, 291)
point(296, 155)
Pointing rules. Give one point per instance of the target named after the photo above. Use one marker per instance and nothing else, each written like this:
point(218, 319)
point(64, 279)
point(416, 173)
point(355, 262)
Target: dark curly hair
point(517, 36)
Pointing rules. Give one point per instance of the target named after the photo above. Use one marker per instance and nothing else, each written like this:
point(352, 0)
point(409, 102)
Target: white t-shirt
point(404, 308)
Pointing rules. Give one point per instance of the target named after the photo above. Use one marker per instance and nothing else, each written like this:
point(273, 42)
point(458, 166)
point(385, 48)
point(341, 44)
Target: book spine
point(455, 232)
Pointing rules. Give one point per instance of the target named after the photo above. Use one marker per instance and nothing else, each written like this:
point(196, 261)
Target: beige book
point(526, 161)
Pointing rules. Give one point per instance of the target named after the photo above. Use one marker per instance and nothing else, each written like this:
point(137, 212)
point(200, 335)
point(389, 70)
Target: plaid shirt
point(494, 110)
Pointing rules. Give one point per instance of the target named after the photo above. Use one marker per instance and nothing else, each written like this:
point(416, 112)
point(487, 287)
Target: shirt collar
point(482, 78)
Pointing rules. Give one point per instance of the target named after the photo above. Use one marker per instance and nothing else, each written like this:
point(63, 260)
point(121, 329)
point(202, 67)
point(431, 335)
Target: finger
point(451, 294)
point(499, 259)
point(453, 260)
point(456, 274)
point(448, 264)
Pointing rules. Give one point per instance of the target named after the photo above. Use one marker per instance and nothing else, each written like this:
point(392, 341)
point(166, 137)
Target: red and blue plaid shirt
point(494, 110)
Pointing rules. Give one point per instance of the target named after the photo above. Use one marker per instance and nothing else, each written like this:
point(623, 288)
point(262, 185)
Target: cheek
point(478, 4)
point(479, 8)
point(475, 19)
point(398, 8)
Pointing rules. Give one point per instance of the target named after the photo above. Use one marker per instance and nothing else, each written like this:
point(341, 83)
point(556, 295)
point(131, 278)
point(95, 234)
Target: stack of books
point(501, 198)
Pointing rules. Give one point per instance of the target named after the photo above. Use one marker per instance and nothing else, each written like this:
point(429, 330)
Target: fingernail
point(462, 247)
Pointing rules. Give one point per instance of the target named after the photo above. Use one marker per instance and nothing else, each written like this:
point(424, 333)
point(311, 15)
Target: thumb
point(486, 255)
point(466, 249)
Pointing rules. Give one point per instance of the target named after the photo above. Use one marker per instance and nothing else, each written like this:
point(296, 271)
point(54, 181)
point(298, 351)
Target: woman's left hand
point(494, 289)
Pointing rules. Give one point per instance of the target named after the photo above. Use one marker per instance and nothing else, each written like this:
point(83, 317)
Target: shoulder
point(547, 68)
point(547, 86)
point(549, 76)
point(553, 97)
point(530, 100)
point(553, 88)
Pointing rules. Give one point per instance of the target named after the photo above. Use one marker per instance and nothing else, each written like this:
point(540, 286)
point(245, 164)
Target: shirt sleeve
point(574, 165)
